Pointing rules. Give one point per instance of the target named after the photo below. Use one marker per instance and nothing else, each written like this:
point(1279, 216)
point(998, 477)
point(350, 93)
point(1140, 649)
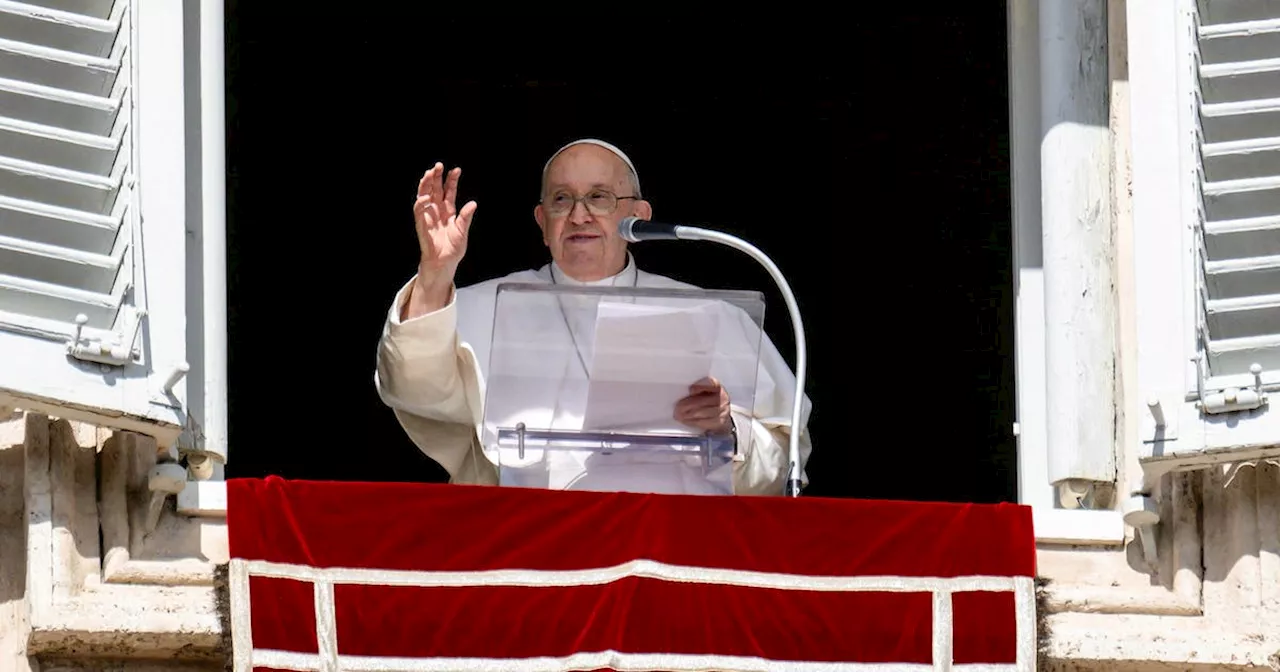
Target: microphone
point(635, 230)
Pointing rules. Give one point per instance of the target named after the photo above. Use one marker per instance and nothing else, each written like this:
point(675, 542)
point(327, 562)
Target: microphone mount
point(634, 229)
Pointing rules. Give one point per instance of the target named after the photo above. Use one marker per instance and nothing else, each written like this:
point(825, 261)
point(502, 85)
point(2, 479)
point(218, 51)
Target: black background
point(868, 155)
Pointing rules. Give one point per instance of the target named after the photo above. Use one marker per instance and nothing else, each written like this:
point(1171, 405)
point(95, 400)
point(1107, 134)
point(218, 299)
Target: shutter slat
point(32, 298)
point(1241, 186)
point(1232, 68)
point(1247, 146)
point(57, 29)
point(61, 265)
point(1254, 281)
point(1242, 265)
point(1219, 12)
point(1228, 356)
point(1239, 29)
point(1230, 226)
point(65, 215)
point(54, 252)
point(1253, 106)
point(58, 186)
point(58, 68)
point(61, 148)
point(1243, 317)
point(1238, 67)
point(48, 289)
point(1241, 239)
point(39, 93)
point(98, 9)
point(1252, 42)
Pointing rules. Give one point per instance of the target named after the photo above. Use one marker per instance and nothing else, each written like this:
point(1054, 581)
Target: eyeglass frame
point(583, 201)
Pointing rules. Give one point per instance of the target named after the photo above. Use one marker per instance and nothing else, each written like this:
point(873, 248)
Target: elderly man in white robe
point(433, 354)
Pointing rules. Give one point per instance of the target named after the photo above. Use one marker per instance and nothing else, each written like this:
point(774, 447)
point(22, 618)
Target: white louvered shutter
point(1238, 237)
point(71, 259)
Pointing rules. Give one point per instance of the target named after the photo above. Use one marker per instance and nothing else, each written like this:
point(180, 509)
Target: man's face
point(585, 241)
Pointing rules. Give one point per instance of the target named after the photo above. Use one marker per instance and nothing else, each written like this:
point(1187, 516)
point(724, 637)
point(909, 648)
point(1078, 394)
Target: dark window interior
point(868, 155)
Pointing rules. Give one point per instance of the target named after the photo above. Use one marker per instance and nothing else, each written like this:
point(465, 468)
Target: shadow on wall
point(13, 525)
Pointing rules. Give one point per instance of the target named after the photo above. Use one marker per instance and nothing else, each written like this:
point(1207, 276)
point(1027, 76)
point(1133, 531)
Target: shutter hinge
point(118, 351)
point(1231, 399)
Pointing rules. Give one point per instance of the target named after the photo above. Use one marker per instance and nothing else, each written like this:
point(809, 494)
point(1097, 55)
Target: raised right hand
point(442, 227)
point(442, 238)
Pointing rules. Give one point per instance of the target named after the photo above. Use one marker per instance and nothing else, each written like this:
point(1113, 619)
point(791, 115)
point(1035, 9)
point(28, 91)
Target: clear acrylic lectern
point(583, 383)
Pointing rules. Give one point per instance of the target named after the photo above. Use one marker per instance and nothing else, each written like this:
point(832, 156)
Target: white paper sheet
point(644, 359)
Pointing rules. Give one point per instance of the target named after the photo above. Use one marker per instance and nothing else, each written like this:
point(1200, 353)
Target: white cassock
point(432, 372)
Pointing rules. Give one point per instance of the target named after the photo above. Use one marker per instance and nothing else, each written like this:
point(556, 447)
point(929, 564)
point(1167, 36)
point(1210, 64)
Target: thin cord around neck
point(635, 282)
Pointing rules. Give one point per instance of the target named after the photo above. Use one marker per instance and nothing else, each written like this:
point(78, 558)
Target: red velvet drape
point(470, 529)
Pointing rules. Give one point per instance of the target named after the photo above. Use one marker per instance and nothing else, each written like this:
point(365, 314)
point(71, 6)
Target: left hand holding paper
point(706, 408)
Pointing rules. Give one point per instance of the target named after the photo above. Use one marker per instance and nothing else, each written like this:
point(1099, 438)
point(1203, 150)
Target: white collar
point(625, 278)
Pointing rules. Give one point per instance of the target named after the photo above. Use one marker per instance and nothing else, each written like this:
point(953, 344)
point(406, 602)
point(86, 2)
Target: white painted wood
point(203, 498)
point(92, 211)
point(212, 406)
point(162, 165)
point(101, 9)
point(1240, 68)
point(1240, 29)
point(1162, 237)
point(1080, 305)
point(1052, 525)
point(1034, 488)
point(1078, 527)
point(1240, 180)
point(1207, 261)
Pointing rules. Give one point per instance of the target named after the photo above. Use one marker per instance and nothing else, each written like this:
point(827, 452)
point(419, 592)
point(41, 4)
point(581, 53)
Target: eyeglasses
point(598, 202)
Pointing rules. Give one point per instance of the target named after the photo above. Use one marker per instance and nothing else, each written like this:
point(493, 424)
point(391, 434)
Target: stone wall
point(96, 570)
point(1211, 602)
point(98, 573)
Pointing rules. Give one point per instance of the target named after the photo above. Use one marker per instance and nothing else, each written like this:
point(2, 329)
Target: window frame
point(1053, 524)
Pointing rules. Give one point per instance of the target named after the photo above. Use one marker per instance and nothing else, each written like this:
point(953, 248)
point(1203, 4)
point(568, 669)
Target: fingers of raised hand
point(424, 183)
point(431, 179)
point(464, 216)
point(438, 193)
point(426, 211)
point(451, 188)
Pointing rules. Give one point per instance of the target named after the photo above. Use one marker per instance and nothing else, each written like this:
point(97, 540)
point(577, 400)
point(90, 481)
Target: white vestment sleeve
point(765, 447)
point(764, 435)
point(430, 380)
point(764, 431)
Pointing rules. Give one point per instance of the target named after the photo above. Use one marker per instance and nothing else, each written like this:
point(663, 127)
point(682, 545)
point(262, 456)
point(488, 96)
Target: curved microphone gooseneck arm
point(635, 230)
